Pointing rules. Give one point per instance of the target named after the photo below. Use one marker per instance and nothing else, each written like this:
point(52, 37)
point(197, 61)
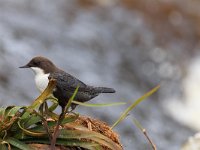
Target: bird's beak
point(26, 66)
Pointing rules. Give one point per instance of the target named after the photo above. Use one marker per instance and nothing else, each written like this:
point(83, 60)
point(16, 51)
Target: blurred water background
point(129, 45)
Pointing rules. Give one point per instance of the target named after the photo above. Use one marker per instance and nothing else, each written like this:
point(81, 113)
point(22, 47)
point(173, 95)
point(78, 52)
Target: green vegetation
point(36, 123)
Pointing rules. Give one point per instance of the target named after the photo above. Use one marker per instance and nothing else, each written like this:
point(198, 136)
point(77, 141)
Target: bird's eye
point(36, 63)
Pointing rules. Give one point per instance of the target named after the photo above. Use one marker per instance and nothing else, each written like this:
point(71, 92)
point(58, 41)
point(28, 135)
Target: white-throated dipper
point(66, 84)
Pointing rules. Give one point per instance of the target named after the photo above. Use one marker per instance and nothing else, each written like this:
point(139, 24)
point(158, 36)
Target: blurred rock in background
point(126, 44)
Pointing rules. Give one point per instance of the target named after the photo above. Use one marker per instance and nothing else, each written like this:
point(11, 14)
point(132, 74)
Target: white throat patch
point(41, 79)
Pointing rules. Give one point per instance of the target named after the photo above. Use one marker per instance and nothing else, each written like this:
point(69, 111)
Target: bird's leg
point(73, 106)
point(56, 130)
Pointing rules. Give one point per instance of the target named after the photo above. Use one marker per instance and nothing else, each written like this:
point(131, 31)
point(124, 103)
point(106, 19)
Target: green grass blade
point(78, 143)
point(44, 95)
point(31, 121)
point(31, 133)
point(89, 135)
point(67, 119)
point(14, 110)
point(98, 105)
point(71, 99)
point(125, 113)
point(52, 115)
point(7, 109)
point(70, 118)
point(16, 143)
point(69, 142)
point(138, 124)
point(54, 105)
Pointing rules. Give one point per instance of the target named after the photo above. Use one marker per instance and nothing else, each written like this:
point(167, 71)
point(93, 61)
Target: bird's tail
point(104, 90)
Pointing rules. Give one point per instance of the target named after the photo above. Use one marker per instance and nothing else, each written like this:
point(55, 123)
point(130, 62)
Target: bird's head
point(40, 65)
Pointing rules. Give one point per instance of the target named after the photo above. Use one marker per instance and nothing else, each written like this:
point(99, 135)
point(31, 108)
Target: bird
point(66, 84)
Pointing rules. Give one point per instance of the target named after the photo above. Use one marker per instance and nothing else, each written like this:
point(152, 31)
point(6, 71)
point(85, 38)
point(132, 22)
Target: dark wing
point(66, 85)
point(67, 81)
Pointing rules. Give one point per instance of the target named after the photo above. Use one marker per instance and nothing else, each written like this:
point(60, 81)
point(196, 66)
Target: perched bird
point(66, 84)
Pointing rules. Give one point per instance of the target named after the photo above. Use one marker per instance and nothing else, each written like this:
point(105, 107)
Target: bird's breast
point(41, 81)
